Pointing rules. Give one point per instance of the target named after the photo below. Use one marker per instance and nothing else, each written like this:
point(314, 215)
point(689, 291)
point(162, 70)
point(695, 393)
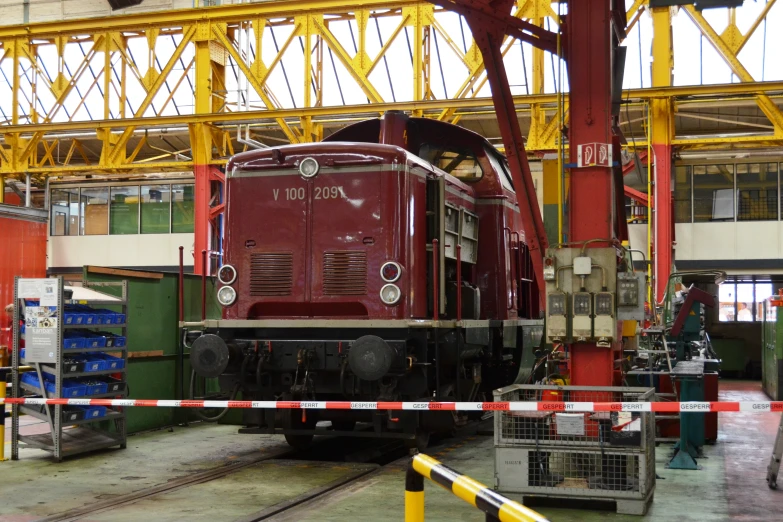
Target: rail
point(495, 506)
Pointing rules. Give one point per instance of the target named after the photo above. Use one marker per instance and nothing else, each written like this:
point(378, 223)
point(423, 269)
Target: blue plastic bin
point(105, 316)
point(112, 363)
point(93, 340)
point(113, 341)
point(92, 363)
point(93, 412)
point(70, 388)
point(73, 340)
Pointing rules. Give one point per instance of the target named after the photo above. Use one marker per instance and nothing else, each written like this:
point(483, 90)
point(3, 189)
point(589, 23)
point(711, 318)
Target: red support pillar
point(202, 229)
point(592, 201)
point(661, 133)
point(663, 218)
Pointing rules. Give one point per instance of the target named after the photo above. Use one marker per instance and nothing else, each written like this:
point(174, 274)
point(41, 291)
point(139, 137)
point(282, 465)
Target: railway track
point(356, 458)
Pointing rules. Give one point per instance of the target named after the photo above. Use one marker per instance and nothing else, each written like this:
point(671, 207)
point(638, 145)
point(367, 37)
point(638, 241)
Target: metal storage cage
point(585, 455)
point(74, 430)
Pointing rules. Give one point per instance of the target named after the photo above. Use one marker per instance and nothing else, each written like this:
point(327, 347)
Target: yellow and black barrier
point(494, 505)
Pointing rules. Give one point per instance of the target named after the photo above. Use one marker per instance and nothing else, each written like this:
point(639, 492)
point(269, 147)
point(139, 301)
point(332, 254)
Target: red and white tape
point(577, 407)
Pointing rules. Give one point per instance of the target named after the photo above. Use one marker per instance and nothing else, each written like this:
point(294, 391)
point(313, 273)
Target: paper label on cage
point(570, 424)
point(635, 425)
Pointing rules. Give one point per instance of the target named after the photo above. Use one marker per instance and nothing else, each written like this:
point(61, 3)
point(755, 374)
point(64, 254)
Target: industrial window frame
point(735, 194)
point(80, 187)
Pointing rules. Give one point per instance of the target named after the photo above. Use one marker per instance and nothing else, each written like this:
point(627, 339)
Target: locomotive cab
point(386, 263)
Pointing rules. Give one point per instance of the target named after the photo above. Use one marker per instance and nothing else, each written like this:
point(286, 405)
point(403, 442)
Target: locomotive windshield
point(500, 164)
point(459, 162)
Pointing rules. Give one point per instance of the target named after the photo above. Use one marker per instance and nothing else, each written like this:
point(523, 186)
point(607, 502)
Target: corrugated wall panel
point(22, 253)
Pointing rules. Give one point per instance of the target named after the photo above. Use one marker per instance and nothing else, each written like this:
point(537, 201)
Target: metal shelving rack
point(69, 437)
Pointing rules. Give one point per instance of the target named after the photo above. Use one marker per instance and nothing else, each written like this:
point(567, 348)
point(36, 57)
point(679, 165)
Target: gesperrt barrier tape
point(659, 407)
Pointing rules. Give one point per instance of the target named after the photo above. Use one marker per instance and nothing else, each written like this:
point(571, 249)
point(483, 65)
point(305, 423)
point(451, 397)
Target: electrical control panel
point(582, 321)
point(631, 290)
point(549, 268)
point(557, 317)
point(604, 325)
point(581, 286)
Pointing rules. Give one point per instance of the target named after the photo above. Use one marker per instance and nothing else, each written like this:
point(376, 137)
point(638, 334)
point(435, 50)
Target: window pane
point(713, 193)
point(682, 194)
point(726, 294)
point(745, 302)
point(763, 292)
point(757, 191)
point(501, 165)
point(95, 211)
point(460, 163)
point(124, 210)
point(155, 209)
point(182, 208)
point(65, 212)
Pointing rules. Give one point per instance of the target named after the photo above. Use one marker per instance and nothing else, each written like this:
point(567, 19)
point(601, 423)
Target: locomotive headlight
point(226, 296)
point(227, 274)
point(391, 271)
point(309, 167)
point(390, 294)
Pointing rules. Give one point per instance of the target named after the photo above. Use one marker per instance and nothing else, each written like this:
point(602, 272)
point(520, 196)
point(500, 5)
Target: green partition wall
point(772, 352)
point(152, 329)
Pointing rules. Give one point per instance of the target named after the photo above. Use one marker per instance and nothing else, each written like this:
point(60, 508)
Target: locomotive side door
point(436, 229)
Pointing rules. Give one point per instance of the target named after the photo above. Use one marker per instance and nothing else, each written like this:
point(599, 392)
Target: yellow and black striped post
point(414, 495)
point(494, 505)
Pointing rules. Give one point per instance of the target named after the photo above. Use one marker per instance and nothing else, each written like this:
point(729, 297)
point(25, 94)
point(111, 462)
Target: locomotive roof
point(283, 156)
point(367, 133)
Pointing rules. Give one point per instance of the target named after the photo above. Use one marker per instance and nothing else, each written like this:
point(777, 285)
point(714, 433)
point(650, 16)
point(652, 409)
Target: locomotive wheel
point(292, 420)
point(420, 441)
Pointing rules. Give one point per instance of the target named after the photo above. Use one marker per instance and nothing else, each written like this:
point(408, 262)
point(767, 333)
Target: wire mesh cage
point(604, 455)
point(627, 429)
point(567, 472)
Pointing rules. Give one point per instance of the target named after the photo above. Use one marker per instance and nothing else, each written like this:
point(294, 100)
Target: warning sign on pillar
point(594, 155)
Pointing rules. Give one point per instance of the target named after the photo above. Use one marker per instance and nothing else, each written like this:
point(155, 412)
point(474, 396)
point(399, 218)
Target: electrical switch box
point(583, 266)
point(631, 290)
point(550, 270)
point(574, 276)
point(582, 323)
point(556, 317)
point(604, 327)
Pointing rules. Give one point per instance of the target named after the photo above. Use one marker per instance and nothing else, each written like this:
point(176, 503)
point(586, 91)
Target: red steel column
point(592, 205)
point(662, 132)
point(202, 229)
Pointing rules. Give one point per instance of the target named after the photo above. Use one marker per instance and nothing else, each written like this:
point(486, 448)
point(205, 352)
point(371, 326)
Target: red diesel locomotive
point(386, 263)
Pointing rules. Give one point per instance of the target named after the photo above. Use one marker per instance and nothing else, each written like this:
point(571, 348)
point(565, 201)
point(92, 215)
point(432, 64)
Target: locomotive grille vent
point(271, 274)
point(345, 273)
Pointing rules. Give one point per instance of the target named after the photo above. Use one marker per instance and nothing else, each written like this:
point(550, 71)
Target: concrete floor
point(730, 486)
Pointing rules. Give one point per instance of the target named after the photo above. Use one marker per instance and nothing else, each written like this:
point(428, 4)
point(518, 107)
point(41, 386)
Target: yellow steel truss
point(61, 66)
